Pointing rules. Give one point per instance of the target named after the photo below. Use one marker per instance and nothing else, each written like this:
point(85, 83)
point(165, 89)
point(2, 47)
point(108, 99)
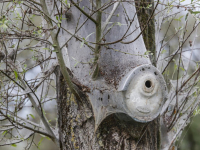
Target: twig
point(109, 17)
point(92, 19)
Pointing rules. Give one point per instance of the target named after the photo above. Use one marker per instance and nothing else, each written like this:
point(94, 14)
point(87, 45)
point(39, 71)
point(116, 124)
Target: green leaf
point(76, 64)
point(195, 12)
point(48, 138)
point(163, 51)
point(82, 43)
point(147, 52)
point(186, 16)
point(14, 145)
point(55, 51)
point(89, 35)
point(179, 19)
point(119, 24)
point(39, 143)
point(4, 132)
point(12, 46)
point(182, 68)
point(197, 111)
point(16, 75)
point(149, 6)
point(32, 116)
point(46, 48)
point(175, 66)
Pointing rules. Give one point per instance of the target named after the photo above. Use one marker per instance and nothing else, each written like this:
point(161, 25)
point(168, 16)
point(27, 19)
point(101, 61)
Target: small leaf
point(175, 66)
point(32, 116)
point(14, 145)
point(48, 138)
point(82, 43)
point(45, 48)
point(186, 16)
point(147, 52)
point(39, 143)
point(4, 132)
point(119, 24)
point(179, 19)
point(163, 51)
point(76, 64)
point(149, 6)
point(12, 46)
point(89, 35)
point(16, 75)
point(182, 68)
point(195, 12)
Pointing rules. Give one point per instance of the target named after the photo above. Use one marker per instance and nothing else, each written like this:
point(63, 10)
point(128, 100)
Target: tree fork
point(77, 126)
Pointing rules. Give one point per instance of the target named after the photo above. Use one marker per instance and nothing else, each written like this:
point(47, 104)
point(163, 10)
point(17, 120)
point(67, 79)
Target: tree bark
point(144, 11)
point(77, 127)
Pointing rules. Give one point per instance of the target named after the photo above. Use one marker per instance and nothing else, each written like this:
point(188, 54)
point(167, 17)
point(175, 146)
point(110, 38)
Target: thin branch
point(19, 141)
point(110, 16)
point(98, 40)
point(40, 112)
point(57, 48)
point(86, 14)
point(152, 14)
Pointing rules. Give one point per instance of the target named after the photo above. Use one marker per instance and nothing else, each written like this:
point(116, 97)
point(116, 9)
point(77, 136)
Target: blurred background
point(190, 138)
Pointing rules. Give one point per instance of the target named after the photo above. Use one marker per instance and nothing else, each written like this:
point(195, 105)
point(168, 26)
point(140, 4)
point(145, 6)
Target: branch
point(98, 39)
point(27, 127)
point(35, 2)
point(144, 26)
point(57, 48)
point(92, 19)
point(25, 120)
point(109, 17)
point(39, 112)
point(180, 47)
point(19, 141)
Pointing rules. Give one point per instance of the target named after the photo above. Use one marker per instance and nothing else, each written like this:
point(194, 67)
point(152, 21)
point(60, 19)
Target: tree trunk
point(77, 127)
point(76, 119)
point(144, 11)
